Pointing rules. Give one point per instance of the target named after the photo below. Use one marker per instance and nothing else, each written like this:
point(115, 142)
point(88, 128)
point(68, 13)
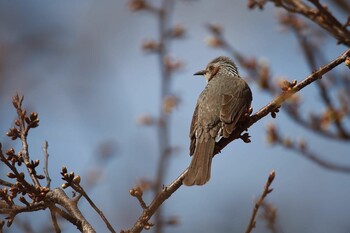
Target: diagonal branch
point(259, 202)
point(302, 149)
point(60, 197)
point(319, 15)
point(54, 219)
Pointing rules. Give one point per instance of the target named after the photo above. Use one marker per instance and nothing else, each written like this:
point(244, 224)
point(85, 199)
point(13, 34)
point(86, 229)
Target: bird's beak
point(202, 72)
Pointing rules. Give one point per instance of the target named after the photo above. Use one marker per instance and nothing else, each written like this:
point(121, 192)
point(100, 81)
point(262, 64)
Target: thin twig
point(310, 55)
point(67, 216)
point(258, 203)
point(23, 130)
point(164, 194)
point(5, 183)
point(306, 153)
point(54, 220)
point(28, 186)
point(321, 16)
point(81, 190)
point(46, 164)
point(15, 209)
point(164, 17)
point(60, 197)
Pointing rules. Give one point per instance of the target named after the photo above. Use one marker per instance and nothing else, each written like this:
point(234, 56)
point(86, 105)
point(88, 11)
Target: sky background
point(79, 64)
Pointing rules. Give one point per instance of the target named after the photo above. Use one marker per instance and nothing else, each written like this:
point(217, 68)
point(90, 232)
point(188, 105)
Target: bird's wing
point(193, 130)
point(233, 106)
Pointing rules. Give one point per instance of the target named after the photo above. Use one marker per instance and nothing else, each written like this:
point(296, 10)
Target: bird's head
point(220, 64)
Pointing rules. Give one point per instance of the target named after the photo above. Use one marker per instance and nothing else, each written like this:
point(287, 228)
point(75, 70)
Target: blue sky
point(80, 66)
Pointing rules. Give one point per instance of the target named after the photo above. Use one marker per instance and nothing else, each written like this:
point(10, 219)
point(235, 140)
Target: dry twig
point(267, 190)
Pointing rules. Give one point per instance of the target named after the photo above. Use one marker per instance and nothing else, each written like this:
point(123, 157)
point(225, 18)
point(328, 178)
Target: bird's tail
point(199, 170)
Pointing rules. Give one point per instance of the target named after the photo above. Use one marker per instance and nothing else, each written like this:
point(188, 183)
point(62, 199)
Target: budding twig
point(73, 181)
point(259, 202)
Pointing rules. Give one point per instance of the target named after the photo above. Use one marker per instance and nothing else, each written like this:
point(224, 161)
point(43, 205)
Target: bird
point(225, 99)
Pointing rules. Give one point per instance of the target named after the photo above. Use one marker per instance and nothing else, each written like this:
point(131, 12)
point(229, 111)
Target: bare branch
point(137, 192)
point(311, 54)
point(59, 197)
point(46, 164)
point(320, 15)
point(15, 209)
point(167, 66)
point(66, 216)
point(259, 202)
point(302, 149)
point(54, 220)
point(164, 194)
point(5, 183)
point(25, 123)
point(73, 181)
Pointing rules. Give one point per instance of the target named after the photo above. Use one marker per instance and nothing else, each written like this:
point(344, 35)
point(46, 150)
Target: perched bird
point(220, 106)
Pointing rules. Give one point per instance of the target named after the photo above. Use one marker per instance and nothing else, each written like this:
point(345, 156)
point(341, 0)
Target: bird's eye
point(210, 68)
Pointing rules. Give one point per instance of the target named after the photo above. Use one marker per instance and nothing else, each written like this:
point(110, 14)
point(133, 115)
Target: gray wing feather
point(233, 107)
point(193, 130)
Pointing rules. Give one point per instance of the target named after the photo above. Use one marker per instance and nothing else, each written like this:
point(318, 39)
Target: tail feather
point(199, 170)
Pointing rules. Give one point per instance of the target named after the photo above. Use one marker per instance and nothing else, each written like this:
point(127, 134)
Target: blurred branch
point(343, 5)
point(319, 14)
point(259, 202)
point(269, 214)
point(54, 220)
point(302, 149)
point(163, 127)
point(5, 183)
point(167, 65)
point(311, 53)
point(167, 191)
point(24, 225)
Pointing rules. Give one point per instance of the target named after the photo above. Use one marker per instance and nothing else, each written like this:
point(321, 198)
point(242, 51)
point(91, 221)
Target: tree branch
point(58, 196)
point(46, 164)
point(54, 219)
point(302, 149)
point(321, 16)
point(259, 202)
